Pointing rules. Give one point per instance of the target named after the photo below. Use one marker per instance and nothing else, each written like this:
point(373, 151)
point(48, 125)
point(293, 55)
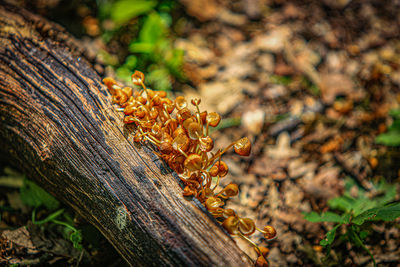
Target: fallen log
point(59, 127)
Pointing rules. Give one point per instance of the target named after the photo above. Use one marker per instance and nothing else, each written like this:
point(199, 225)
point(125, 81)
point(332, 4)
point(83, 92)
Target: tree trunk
point(58, 125)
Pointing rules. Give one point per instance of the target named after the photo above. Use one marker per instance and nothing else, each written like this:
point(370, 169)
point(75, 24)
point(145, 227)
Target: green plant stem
point(49, 218)
point(360, 243)
point(65, 224)
point(226, 123)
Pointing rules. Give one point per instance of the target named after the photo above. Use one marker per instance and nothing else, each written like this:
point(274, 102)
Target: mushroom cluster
point(183, 141)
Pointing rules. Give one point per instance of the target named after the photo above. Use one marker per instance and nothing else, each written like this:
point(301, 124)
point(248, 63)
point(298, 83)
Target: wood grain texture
point(57, 124)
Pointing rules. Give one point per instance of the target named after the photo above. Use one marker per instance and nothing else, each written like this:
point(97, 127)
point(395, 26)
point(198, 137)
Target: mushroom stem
point(217, 183)
point(251, 242)
point(183, 153)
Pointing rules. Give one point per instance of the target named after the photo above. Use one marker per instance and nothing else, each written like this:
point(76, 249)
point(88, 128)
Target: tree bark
point(58, 125)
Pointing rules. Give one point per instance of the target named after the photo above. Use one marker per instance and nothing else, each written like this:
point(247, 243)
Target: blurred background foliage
point(392, 136)
point(132, 34)
point(145, 27)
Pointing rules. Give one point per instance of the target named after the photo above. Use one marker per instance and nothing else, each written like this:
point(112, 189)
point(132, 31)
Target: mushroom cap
point(213, 119)
point(193, 162)
point(231, 224)
point(242, 146)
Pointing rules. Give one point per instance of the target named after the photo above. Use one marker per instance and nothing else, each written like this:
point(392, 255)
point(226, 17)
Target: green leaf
point(363, 234)
point(395, 113)
point(124, 73)
point(389, 212)
point(141, 47)
point(346, 218)
point(131, 62)
point(391, 138)
point(330, 236)
point(361, 204)
point(226, 123)
point(284, 80)
point(152, 36)
point(76, 239)
point(343, 203)
point(166, 6)
point(389, 193)
point(124, 10)
point(395, 126)
point(385, 213)
point(365, 216)
point(174, 62)
point(34, 196)
point(324, 217)
point(353, 236)
point(154, 28)
point(159, 79)
point(349, 204)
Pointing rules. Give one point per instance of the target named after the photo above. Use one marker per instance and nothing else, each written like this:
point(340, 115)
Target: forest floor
point(311, 83)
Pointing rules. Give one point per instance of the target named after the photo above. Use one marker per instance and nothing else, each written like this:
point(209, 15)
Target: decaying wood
point(57, 124)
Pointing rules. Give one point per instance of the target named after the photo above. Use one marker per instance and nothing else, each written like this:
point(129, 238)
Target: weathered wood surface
point(57, 125)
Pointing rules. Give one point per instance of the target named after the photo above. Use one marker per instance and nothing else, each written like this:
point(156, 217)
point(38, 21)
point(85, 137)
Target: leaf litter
point(319, 83)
